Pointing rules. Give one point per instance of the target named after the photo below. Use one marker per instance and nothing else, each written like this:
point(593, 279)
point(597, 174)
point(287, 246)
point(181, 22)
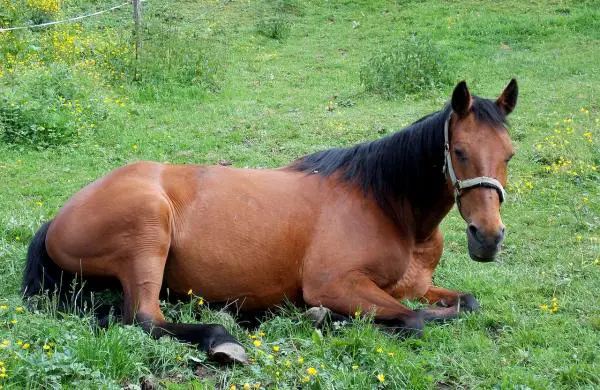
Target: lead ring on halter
point(461, 185)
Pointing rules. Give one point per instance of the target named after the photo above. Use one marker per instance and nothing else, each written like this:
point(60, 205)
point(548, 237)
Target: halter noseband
point(461, 185)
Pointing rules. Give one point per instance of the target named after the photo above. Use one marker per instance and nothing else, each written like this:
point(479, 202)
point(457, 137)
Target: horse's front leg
point(462, 302)
point(357, 293)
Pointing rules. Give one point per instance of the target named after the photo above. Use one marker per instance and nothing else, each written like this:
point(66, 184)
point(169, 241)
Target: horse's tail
point(41, 273)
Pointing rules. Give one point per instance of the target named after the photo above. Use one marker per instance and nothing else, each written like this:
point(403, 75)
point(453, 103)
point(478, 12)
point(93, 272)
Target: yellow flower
point(554, 309)
point(246, 386)
point(288, 363)
point(200, 301)
point(585, 200)
point(19, 342)
point(256, 385)
point(391, 353)
point(544, 307)
point(3, 376)
point(252, 336)
point(270, 357)
point(19, 309)
point(190, 292)
point(300, 360)
point(3, 307)
point(305, 379)
point(1, 364)
point(178, 357)
point(46, 347)
point(232, 387)
point(311, 371)
point(261, 334)
point(26, 346)
point(579, 238)
point(49, 354)
point(380, 377)
point(355, 367)
point(357, 313)
point(379, 350)
point(13, 322)
point(276, 348)
point(257, 343)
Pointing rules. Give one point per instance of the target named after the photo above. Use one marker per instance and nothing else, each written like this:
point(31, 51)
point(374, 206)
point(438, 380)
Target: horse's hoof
point(468, 303)
point(317, 315)
point(229, 353)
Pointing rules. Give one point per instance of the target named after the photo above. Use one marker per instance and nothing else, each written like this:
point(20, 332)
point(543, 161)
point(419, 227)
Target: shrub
point(47, 106)
point(274, 28)
point(413, 66)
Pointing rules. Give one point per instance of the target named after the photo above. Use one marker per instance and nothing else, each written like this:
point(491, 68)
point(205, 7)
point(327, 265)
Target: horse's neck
point(425, 218)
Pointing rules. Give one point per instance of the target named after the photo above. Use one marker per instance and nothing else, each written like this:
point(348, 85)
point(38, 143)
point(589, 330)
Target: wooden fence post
point(137, 16)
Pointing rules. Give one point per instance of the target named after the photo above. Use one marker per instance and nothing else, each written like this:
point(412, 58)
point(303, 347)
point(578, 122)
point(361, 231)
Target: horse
point(347, 230)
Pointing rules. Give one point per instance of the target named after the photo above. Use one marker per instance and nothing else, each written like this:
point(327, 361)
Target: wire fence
point(69, 20)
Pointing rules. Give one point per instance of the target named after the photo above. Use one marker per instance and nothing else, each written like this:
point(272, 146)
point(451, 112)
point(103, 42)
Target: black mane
point(404, 165)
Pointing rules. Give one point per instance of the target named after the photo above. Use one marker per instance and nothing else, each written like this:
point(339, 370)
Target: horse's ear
point(461, 99)
point(508, 99)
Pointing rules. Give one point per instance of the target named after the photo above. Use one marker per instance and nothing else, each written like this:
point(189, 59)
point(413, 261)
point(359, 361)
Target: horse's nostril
point(474, 231)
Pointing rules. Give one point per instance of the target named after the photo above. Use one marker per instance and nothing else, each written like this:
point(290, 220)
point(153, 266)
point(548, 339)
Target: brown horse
point(344, 229)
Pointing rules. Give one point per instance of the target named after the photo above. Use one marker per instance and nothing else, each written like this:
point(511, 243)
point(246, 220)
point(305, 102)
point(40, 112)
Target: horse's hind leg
point(142, 286)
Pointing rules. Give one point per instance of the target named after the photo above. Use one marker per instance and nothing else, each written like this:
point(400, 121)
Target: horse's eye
point(460, 155)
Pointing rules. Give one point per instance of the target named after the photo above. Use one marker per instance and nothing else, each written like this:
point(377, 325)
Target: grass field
point(259, 83)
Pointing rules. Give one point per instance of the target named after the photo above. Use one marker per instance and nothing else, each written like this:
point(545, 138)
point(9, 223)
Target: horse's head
point(478, 149)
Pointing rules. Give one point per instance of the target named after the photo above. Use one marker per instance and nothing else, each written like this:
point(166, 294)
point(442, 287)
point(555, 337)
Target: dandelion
point(311, 371)
point(256, 385)
point(3, 307)
point(391, 353)
point(380, 377)
point(261, 334)
point(252, 336)
point(379, 350)
point(300, 360)
point(19, 309)
point(26, 346)
point(178, 357)
point(554, 305)
point(200, 301)
point(257, 343)
point(232, 387)
point(246, 386)
point(190, 292)
point(585, 199)
point(13, 322)
point(46, 347)
point(354, 367)
point(288, 363)
point(544, 307)
point(276, 348)
point(357, 313)
point(49, 354)
point(529, 185)
point(579, 238)
point(19, 342)
point(5, 343)
point(305, 379)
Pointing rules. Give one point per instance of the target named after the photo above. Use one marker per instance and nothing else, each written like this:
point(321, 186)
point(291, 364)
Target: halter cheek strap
point(461, 185)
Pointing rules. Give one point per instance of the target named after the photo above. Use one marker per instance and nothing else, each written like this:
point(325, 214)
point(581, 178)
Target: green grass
point(216, 87)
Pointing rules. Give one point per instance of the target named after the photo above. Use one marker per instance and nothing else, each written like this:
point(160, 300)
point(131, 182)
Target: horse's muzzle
point(482, 247)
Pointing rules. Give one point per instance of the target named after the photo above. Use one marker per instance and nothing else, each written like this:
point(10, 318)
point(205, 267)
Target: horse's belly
point(255, 283)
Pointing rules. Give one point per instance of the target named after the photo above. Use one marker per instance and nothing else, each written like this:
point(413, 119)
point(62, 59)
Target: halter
point(461, 185)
